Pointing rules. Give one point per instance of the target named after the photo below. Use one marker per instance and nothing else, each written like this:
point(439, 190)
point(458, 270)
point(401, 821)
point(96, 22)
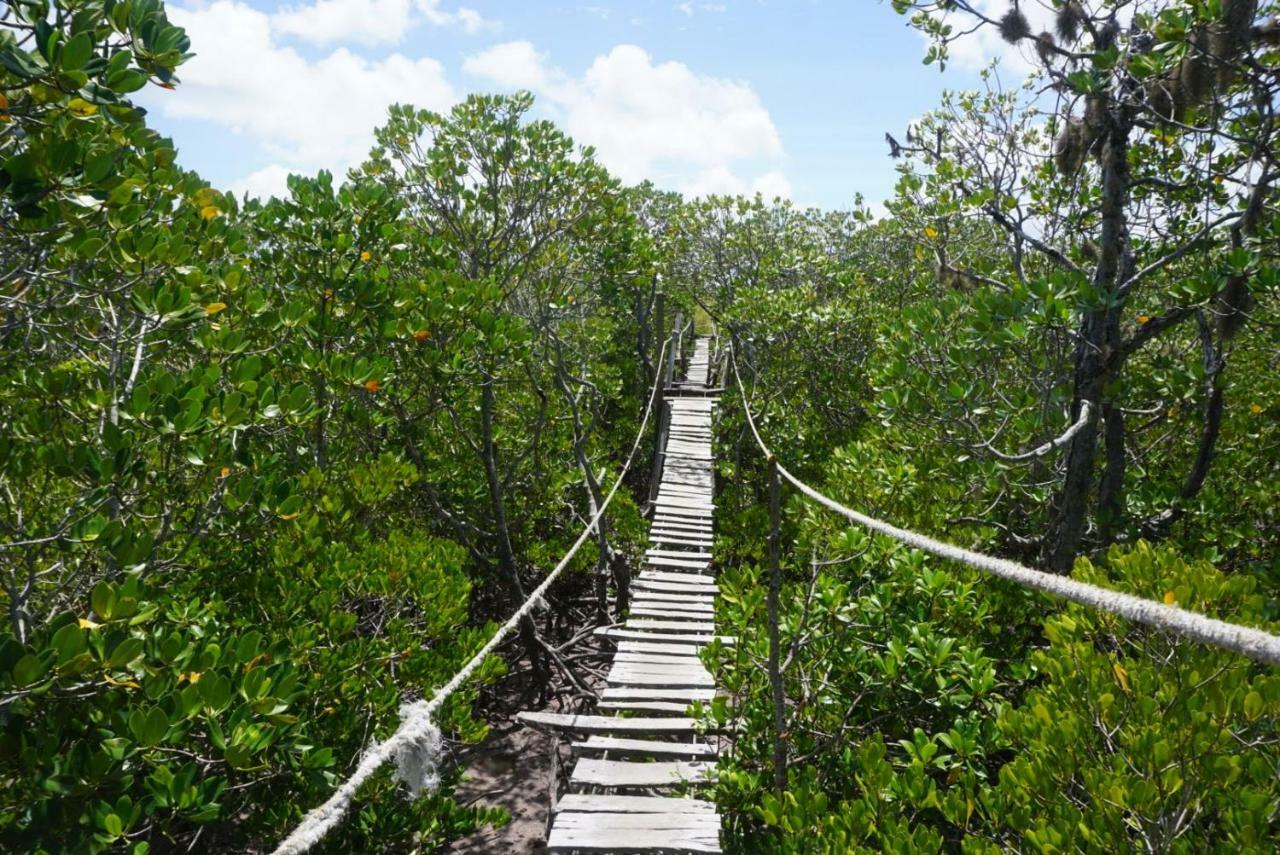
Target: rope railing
point(1247, 641)
point(415, 744)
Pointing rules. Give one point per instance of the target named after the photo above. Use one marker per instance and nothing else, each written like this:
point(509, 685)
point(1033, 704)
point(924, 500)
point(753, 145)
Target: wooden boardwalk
point(641, 746)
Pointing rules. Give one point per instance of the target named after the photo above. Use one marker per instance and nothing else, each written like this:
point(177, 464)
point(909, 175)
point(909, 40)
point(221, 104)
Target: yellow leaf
point(85, 623)
point(1122, 676)
point(191, 677)
point(4, 109)
point(1144, 319)
point(113, 681)
point(930, 232)
point(208, 212)
point(287, 517)
point(1170, 598)
point(81, 107)
point(206, 196)
point(214, 308)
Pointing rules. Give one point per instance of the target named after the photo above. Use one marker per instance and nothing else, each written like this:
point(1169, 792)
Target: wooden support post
point(775, 667)
point(659, 336)
point(664, 416)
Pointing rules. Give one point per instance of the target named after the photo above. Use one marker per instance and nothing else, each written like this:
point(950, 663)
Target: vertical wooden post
point(659, 335)
point(664, 415)
point(663, 379)
point(775, 667)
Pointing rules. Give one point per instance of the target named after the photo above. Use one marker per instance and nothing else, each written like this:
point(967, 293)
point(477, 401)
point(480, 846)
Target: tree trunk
point(1098, 339)
point(1111, 490)
point(507, 570)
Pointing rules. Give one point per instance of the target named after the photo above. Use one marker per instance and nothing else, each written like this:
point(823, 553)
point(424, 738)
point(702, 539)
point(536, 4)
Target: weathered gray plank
point(671, 637)
point(584, 803)
point(615, 693)
point(669, 707)
point(686, 611)
point(700, 580)
point(679, 553)
point(621, 773)
point(669, 625)
point(603, 832)
point(651, 747)
point(686, 650)
point(606, 723)
point(658, 659)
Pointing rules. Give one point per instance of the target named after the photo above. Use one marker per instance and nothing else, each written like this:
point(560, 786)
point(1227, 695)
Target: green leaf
point(103, 599)
point(27, 670)
point(70, 642)
point(149, 727)
point(76, 52)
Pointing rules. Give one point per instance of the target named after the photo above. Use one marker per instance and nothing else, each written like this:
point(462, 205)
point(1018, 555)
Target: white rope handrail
point(1254, 643)
point(416, 742)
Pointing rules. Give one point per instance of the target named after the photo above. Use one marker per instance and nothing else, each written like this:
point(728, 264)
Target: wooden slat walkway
point(641, 747)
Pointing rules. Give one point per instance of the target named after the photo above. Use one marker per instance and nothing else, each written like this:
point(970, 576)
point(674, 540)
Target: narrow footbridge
point(640, 759)
point(644, 767)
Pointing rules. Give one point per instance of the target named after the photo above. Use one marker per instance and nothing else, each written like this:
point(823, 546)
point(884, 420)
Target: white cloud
point(976, 50)
point(660, 121)
point(771, 184)
point(268, 181)
point(689, 8)
point(368, 22)
point(469, 19)
point(305, 114)
point(721, 181)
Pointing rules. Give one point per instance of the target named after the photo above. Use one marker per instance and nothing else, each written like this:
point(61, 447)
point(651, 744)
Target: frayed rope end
point(418, 755)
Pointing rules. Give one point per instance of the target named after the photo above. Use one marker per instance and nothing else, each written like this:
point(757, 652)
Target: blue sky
point(789, 98)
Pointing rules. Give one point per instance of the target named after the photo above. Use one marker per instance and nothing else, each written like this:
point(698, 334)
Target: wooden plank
point(625, 674)
point(696, 597)
point(678, 605)
point(690, 611)
point(675, 540)
point(669, 587)
point(602, 832)
point(668, 707)
point(682, 526)
point(699, 580)
point(668, 637)
point(585, 803)
point(649, 747)
point(606, 723)
point(679, 553)
point(689, 563)
point(647, 658)
point(617, 693)
point(622, 773)
point(669, 625)
point(688, 650)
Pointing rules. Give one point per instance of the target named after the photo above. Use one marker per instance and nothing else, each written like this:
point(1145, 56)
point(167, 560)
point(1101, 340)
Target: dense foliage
point(269, 469)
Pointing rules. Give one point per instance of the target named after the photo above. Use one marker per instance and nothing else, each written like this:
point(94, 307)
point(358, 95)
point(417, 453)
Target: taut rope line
point(416, 741)
point(1247, 641)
